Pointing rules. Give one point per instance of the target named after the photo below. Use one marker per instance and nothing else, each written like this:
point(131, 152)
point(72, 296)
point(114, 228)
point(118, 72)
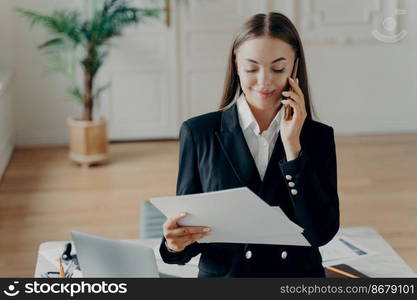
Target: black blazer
point(214, 156)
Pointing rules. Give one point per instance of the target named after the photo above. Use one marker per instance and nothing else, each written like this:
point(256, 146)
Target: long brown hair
point(274, 25)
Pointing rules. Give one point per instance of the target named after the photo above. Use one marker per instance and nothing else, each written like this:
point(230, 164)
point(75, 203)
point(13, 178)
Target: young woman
point(287, 161)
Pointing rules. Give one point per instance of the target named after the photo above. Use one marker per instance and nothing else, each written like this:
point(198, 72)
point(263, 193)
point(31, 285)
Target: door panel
point(142, 100)
point(161, 76)
point(207, 29)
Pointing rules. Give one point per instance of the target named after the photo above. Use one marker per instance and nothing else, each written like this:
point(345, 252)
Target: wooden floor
point(43, 196)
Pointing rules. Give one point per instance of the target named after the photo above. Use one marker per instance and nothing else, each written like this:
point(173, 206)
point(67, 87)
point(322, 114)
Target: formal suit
point(215, 156)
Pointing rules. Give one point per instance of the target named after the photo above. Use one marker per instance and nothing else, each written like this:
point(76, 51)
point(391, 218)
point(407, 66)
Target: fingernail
point(183, 214)
point(285, 93)
point(206, 229)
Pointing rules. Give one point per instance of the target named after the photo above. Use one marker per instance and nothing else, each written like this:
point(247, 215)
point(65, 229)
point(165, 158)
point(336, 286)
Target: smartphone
point(288, 113)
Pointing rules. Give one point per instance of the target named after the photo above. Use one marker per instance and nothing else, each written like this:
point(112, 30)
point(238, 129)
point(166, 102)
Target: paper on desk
point(342, 249)
point(234, 216)
point(52, 256)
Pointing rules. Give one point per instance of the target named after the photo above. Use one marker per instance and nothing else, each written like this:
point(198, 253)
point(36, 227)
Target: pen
point(70, 269)
point(341, 272)
point(61, 269)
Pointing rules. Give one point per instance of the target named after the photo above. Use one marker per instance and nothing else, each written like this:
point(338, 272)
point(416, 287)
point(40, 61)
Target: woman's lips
point(265, 94)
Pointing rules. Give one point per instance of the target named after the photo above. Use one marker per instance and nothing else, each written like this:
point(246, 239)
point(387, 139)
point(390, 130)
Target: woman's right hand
point(178, 237)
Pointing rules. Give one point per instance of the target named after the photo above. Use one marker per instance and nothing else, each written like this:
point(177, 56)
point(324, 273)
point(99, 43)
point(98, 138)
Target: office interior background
point(362, 64)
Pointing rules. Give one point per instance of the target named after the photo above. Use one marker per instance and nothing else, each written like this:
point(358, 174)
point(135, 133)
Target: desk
point(385, 263)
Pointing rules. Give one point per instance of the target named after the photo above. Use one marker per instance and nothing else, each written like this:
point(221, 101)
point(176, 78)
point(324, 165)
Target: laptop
point(100, 257)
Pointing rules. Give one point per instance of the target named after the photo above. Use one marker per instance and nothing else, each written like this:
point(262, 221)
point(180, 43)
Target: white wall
point(367, 87)
point(6, 110)
point(5, 35)
point(41, 102)
point(6, 122)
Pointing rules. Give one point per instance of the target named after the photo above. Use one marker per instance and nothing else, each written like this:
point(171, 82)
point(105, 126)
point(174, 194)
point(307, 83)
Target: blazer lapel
point(236, 149)
point(277, 154)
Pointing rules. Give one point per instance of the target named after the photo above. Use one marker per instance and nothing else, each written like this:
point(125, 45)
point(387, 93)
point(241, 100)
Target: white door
point(142, 100)
point(163, 75)
point(207, 29)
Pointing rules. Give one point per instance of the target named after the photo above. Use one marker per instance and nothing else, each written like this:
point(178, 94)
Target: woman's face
point(264, 65)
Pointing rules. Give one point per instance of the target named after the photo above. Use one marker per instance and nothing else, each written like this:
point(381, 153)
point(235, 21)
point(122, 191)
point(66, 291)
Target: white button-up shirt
point(260, 145)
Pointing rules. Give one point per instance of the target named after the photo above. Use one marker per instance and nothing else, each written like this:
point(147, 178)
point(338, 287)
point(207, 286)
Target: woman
point(288, 162)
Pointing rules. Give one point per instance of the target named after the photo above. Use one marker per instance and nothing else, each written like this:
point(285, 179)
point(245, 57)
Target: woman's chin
point(261, 102)
point(270, 99)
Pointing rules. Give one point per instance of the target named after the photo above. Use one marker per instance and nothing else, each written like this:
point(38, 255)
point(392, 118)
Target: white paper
point(52, 256)
point(234, 216)
point(342, 249)
point(283, 215)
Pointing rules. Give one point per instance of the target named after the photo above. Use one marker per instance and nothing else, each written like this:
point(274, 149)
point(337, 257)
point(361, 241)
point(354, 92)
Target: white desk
point(384, 263)
point(55, 249)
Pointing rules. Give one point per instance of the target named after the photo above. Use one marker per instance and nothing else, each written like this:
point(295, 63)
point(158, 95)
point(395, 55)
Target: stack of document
point(234, 216)
point(342, 249)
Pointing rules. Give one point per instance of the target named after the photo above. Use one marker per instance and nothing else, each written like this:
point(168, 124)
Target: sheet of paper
point(235, 216)
point(52, 256)
point(342, 249)
point(283, 215)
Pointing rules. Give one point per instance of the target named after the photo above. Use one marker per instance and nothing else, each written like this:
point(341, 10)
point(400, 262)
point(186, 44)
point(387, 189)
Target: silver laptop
point(99, 257)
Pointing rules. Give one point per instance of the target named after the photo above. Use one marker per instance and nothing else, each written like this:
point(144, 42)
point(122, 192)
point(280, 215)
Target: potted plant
point(80, 46)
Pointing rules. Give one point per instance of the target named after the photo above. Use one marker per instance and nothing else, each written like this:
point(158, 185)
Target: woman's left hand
point(291, 129)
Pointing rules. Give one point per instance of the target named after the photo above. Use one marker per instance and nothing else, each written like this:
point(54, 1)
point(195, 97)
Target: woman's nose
point(264, 78)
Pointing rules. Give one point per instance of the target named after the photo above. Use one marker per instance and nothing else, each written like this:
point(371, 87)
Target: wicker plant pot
point(88, 142)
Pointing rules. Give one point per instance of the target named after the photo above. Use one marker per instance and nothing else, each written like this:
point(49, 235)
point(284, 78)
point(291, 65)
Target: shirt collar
point(246, 118)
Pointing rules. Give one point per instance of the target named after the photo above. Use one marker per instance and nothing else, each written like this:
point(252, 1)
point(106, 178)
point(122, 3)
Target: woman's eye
point(273, 70)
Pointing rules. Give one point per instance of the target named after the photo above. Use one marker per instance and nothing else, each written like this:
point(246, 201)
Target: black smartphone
point(288, 113)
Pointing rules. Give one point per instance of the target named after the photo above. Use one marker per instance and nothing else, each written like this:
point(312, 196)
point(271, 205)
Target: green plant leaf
point(76, 93)
point(83, 44)
point(51, 43)
point(101, 90)
point(65, 23)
